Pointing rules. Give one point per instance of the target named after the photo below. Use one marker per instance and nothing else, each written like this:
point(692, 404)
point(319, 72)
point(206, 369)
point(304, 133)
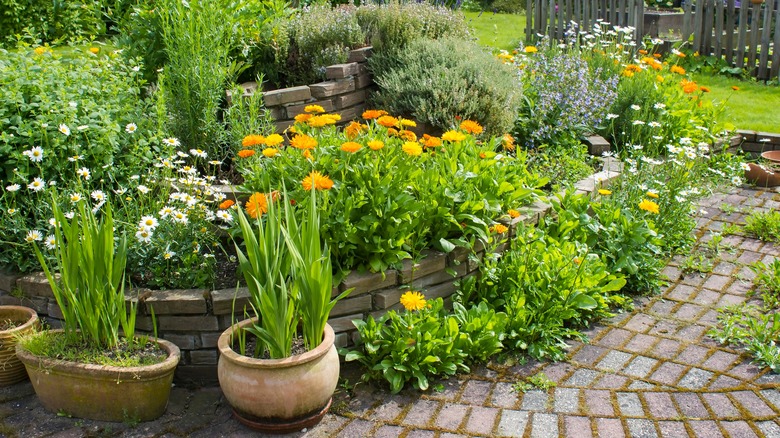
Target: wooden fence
point(747, 36)
point(553, 18)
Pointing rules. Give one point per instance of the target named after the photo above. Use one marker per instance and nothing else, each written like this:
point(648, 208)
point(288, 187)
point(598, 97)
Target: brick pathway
point(649, 373)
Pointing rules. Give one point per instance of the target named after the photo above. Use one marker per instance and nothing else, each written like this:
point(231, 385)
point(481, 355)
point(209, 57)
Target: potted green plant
point(95, 367)
point(15, 321)
point(275, 380)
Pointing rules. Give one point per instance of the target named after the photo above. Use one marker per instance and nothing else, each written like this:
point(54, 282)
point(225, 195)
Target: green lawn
point(754, 106)
point(499, 31)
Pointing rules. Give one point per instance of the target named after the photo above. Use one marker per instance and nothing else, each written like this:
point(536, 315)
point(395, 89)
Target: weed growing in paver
point(697, 263)
point(755, 329)
point(537, 381)
point(730, 229)
point(765, 226)
point(767, 282)
point(730, 209)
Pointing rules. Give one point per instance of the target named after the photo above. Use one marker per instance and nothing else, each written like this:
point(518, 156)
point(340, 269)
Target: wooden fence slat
point(697, 20)
point(729, 31)
point(640, 19)
point(776, 54)
point(586, 24)
point(687, 29)
point(530, 13)
point(718, 28)
point(755, 28)
point(707, 27)
point(765, 40)
point(559, 21)
point(742, 42)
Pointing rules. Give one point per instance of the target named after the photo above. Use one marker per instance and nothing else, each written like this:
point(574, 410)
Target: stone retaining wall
point(344, 92)
point(754, 142)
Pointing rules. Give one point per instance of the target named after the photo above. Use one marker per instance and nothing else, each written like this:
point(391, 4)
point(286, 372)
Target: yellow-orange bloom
point(270, 152)
point(246, 153)
point(648, 205)
point(351, 147)
point(274, 140)
point(353, 130)
point(642, 51)
point(634, 68)
point(653, 195)
point(406, 122)
point(319, 121)
point(303, 141)
point(227, 203)
point(303, 117)
point(408, 135)
point(373, 114)
point(431, 142)
point(735, 88)
point(689, 86)
point(513, 214)
point(677, 69)
point(40, 50)
point(605, 192)
point(628, 73)
point(659, 78)
point(94, 50)
point(704, 89)
point(499, 228)
point(453, 136)
point(375, 145)
point(471, 127)
point(387, 121)
point(306, 154)
point(316, 109)
point(252, 140)
point(412, 148)
point(413, 301)
point(317, 181)
point(530, 49)
point(332, 118)
point(257, 205)
point(508, 142)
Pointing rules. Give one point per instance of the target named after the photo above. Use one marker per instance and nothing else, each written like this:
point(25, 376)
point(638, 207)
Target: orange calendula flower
point(317, 181)
point(392, 132)
point(688, 86)
point(373, 114)
point(634, 68)
point(274, 140)
point(407, 135)
point(605, 192)
point(530, 49)
point(315, 109)
point(227, 203)
point(257, 205)
point(735, 88)
point(413, 300)
point(648, 205)
point(677, 69)
point(628, 73)
point(387, 121)
point(642, 51)
point(40, 50)
point(246, 153)
point(351, 147)
point(318, 121)
point(332, 118)
point(306, 154)
point(375, 145)
point(406, 122)
point(431, 142)
point(353, 130)
point(412, 148)
point(453, 136)
point(252, 140)
point(500, 228)
point(303, 141)
point(513, 213)
point(94, 50)
point(659, 78)
point(508, 142)
point(303, 117)
point(270, 152)
point(704, 89)
point(471, 127)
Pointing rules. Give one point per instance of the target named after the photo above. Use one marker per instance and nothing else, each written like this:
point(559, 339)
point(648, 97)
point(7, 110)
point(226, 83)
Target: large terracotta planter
point(11, 369)
point(761, 177)
point(106, 393)
point(278, 395)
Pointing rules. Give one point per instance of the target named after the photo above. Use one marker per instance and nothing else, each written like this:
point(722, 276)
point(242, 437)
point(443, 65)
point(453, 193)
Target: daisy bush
point(387, 193)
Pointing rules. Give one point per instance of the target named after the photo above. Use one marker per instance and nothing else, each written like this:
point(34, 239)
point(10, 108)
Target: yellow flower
point(375, 145)
point(303, 141)
point(274, 140)
point(453, 136)
point(303, 118)
point(530, 49)
point(407, 135)
point(648, 205)
point(332, 118)
point(94, 50)
point(270, 152)
point(471, 127)
point(412, 148)
point(351, 147)
point(319, 121)
point(316, 109)
point(431, 142)
point(406, 122)
point(500, 228)
point(628, 74)
point(659, 78)
point(353, 130)
point(508, 142)
point(653, 195)
point(252, 140)
point(246, 153)
point(373, 114)
point(605, 192)
point(257, 205)
point(413, 300)
point(513, 214)
point(40, 50)
point(317, 181)
point(387, 121)
point(677, 69)
point(688, 86)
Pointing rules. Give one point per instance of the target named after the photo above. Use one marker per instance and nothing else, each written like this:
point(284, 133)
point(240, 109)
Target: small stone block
point(188, 323)
point(332, 88)
point(363, 81)
point(282, 126)
point(203, 357)
point(432, 262)
point(36, 284)
point(341, 71)
point(350, 99)
point(352, 113)
point(53, 310)
point(222, 300)
point(184, 342)
point(361, 283)
point(209, 340)
point(8, 281)
point(294, 110)
point(361, 304)
point(360, 55)
point(344, 323)
point(439, 277)
point(597, 145)
point(286, 95)
point(196, 375)
point(179, 301)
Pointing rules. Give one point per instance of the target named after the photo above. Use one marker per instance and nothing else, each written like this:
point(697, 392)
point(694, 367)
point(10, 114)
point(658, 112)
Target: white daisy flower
point(143, 189)
point(52, 222)
point(69, 215)
point(179, 217)
point(638, 122)
point(98, 195)
point(64, 129)
point(50, 242)
point(225, 216)
point(33, 236)
point(35, 154)
point(131, 128)
point(611, 116)
point(198, 153)
point(149, 222)
point(75, 197)
point(82, 127)
point(659, 106)
point(745, 166)
point(636, 107)
point(83, 172)
point(171, 141)
point(143, 236)
point(737, 181)
point(13, 187)
point(168, 254)
point(37, 185)
point(11, 211)
point(165, 212)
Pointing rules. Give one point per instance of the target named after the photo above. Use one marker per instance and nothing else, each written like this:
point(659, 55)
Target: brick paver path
point(649, 373)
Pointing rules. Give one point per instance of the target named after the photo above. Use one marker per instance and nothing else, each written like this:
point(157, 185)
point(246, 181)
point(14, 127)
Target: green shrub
point(87, 114)
point(51, 20)
point(442, 81)
point(764, 225)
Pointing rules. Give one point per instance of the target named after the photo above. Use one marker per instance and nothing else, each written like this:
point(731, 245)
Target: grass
point(752, 107)
point(499, 31)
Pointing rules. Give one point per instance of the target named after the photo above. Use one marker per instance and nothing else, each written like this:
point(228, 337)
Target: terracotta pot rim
point(228, 353)
point(32, 320)
point(108, 372)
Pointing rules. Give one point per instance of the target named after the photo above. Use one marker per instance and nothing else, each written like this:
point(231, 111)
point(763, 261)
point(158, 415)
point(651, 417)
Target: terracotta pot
point(26, 319)
point(105, 393)
point(278, 395)
point(773, 156)
point(761, 177)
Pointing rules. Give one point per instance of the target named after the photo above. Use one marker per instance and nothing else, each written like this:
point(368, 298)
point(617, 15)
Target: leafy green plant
point(50, 21)
point(755, 329)
point(442, 81)
point(411, 346)
point(767, 282)
point(90, 290)
point(537, 381)
point(698, 263)
point(484, 330)
point(763, 225)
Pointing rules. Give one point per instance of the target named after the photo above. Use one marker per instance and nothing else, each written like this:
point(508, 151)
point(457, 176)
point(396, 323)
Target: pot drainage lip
point(279, 428)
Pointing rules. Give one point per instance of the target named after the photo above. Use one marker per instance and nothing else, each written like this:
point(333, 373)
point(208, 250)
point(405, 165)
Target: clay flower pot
point(24, 320)
point(105, 393)
point(278, 395)
point(762, 178)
